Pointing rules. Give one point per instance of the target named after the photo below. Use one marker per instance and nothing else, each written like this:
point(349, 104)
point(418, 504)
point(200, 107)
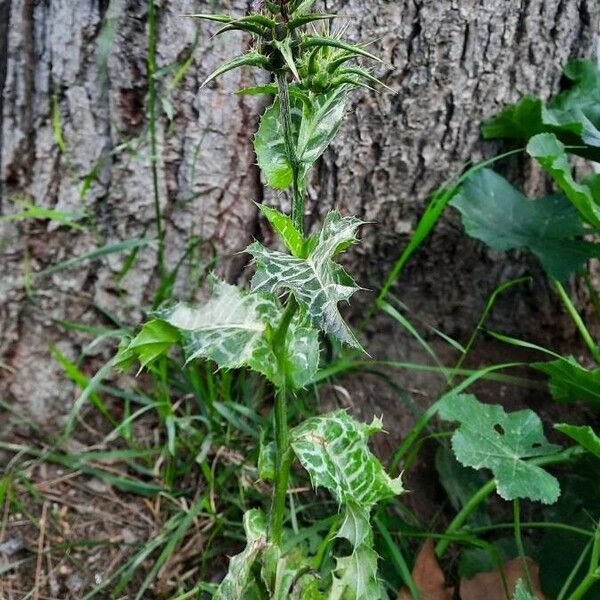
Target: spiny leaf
point(284, 226)
point(490, 438)
point(585, 436)
point(521, 592)
point(333, 449)
point(233, 329)
point(154, 340)
point(304, 19)
point(570, 382)
point(355, 577)
point(228, 329)
point(253, 59)
point(329, 42)
point(314, 125)
point(239, 579)
point(550, 153)
point(317, 282)
point(494, 212)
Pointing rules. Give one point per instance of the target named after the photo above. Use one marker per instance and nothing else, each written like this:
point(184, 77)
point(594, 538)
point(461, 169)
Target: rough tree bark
point(83, 66)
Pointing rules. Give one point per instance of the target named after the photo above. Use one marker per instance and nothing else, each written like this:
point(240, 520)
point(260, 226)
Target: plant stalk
point(482, 493)
point(283, 452)
point(290, 149)
point(576, 318)
point(519, 542)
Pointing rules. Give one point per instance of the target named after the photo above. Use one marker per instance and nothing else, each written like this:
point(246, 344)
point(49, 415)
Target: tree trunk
point(74, 74)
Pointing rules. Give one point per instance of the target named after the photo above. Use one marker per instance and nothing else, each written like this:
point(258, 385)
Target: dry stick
point(40, 552)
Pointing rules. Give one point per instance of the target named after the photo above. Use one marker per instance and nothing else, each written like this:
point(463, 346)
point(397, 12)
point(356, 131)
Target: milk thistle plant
point(274, 327)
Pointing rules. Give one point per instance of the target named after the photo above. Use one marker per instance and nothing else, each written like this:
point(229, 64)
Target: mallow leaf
point(314, 122)
point(570, 382)
point(489, 438)
point(333, 449)
point(573, 115)
point(239, 580)
point(550, 153)
point(584, 435)
point(494, 212)
point(317, 282)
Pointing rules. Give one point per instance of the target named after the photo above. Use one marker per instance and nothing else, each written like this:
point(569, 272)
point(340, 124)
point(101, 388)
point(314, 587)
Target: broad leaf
point(550, 153)
point(573, 115)
point(578, 108)
point(317, 282)
point(228, 329)
point(585, 436)
point(333, 449)
point(315, 124)
point(570, 382)
point(517, 121)
point(490, 438)
point(155, 339)
point(494, 212)
point(239, 579)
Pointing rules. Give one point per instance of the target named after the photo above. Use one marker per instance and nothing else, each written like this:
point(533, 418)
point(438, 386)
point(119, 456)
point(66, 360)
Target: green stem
point(593, 574)
point(152, 126)
point(465, 512)
point(519, 543)
point(583, 331)
point(483, 492)
point(290, 149)
point(283, 452)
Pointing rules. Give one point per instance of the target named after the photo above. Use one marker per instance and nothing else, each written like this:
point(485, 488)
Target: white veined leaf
point(317, 282)
point(333, 449)
point(230, 328)
point(239, 580)
point(355, 577)
point(314, 124)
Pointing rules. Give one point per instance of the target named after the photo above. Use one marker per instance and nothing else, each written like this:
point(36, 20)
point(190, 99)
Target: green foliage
point(521, 592)
point(550, 153)
point(239, 583)
point(496, 213)
point(155, 339)
point(584, 435)
point(315, 124)
point(570, 382)
point(573, 115)
point(333, 449)
point(317, 282)
point(490, 438)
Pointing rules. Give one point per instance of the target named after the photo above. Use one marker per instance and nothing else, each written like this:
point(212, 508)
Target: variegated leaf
point(333, 449)
point(317, 282)
point(239, 580)
point(228, 329)
point(314, 124)
point(355, 577)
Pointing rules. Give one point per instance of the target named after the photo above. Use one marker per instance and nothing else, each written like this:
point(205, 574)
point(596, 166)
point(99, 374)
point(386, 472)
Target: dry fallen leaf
point(488, 585)
point(428, 577)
